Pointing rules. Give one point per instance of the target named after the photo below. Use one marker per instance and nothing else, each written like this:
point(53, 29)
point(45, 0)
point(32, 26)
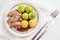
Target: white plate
point(18, 34)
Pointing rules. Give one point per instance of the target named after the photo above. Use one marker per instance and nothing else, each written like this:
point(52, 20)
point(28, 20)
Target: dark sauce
point(23, 29)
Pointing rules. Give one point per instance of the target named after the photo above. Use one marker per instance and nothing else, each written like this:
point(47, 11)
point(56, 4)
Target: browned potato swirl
point(32, 23)
point(24, 24)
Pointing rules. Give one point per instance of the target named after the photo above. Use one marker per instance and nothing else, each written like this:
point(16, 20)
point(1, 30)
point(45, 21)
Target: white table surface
point(54, 32)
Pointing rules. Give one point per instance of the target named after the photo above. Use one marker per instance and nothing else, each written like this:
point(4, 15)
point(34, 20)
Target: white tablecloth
point(52, 34)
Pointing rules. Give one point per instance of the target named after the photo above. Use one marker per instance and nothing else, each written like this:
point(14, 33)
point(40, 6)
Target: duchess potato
point(24, 24)
point(32, 23)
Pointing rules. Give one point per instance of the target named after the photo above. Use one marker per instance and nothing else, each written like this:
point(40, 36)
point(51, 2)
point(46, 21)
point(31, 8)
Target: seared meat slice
point(12, 19)
point(15, 25)
point(14, 14)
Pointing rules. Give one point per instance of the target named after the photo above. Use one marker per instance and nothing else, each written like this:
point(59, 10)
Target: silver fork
point(52, 16)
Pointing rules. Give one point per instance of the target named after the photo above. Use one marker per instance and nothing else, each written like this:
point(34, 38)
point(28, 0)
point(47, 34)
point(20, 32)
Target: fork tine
point(55, 13)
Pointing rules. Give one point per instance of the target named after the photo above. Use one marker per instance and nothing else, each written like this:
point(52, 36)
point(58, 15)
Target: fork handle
point(45, 28)
point(41, 34)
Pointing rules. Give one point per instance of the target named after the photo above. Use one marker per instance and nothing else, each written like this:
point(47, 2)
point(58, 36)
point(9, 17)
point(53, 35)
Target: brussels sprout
point(21, 8)
point(32, 15)
point(28, 9)
point(25, 16)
